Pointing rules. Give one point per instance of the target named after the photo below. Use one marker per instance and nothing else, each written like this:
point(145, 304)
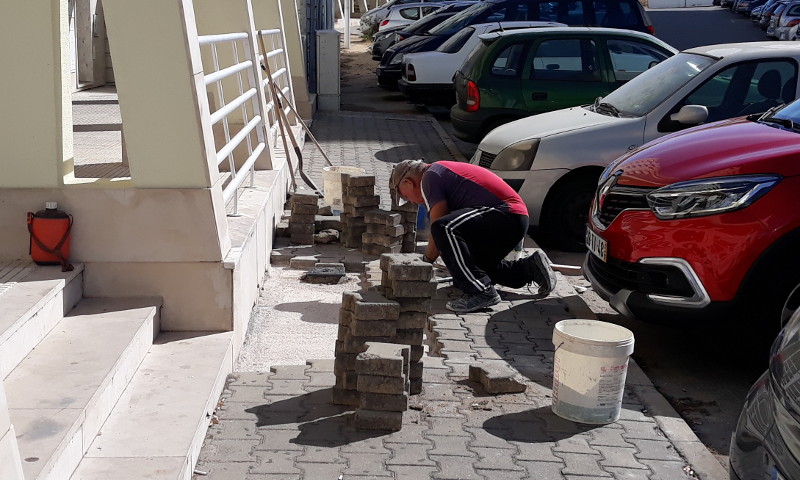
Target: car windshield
point(788, 116)
point(454, 43)
point(644, 92)
point(460, 20)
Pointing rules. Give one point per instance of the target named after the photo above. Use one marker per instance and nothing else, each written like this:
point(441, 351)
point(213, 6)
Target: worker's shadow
point(318, 422)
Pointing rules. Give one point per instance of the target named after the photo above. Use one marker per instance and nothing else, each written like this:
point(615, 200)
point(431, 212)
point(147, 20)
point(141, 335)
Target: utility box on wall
point(328, 70)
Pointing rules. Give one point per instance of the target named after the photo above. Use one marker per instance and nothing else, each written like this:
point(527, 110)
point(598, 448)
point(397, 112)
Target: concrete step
point(64, 389)
point(33, 299)
point(158, 426)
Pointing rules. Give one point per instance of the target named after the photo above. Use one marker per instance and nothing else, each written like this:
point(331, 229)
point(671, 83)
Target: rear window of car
point(454, 43)
point(616, 14)
point(473, 57)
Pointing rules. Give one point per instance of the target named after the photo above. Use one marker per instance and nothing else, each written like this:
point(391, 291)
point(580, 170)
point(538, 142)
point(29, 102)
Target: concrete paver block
point(378, 420)
point(381, 384)
point(496, 378)
point(384, 402)
point(387, 359)
point(383, 217)
point(302, 262)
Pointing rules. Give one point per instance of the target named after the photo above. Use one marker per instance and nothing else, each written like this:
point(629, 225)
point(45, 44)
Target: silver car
point(789, 18)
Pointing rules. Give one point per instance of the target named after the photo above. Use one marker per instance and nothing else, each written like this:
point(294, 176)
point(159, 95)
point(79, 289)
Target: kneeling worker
point(476, 220)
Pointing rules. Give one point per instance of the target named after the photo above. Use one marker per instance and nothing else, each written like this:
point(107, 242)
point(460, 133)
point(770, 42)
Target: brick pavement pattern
point(282, 424)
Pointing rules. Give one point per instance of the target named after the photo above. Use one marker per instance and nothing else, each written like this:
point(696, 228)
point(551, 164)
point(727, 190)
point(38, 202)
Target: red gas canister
point(50, 236)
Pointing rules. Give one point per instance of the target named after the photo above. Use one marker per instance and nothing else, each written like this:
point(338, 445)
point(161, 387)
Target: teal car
point(514, 74)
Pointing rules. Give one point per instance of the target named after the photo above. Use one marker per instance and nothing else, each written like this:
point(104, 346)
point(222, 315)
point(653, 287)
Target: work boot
point(471, 302)
point(541, 278)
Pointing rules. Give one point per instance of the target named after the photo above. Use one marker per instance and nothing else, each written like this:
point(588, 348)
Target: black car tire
point(566, 211)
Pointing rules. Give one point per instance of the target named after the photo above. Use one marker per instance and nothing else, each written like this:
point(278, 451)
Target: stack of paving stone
point(384, 233)
point(358, 197)
point(408, 212)
point(382, 386)
point(304, 208)
point(365, 316)
point(408, 280)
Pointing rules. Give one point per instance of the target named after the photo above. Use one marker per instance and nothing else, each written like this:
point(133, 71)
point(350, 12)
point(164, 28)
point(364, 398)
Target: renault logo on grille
point(603, 191)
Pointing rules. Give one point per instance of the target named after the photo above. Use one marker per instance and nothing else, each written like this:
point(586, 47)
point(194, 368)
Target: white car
point(407, 14)
point(555, 159)
point(428, 76)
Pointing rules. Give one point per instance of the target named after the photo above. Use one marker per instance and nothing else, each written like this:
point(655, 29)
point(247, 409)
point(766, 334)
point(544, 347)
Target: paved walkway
point(280, 424)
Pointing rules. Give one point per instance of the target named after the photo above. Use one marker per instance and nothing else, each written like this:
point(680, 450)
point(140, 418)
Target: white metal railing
point(233, 65)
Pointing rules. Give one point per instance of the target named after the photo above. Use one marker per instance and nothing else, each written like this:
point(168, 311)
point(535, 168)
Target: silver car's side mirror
point(690, 115)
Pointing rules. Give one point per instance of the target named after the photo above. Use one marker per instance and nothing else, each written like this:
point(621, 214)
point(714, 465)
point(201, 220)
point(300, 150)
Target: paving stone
point(229, 451)
point(410, 434)
point(403, 288)
point(378, 420)
point(435, 375)
point(319, 365)
point(261, 414)
point(541, 451)
point(446, 426)
point(609, 437)
point(276, 463)
point(384, 403)
point(497, 378)
point(248, 378)
point(303, 262)
point(619, 457)
point(386, 359)
point(373, 328)
point(667, 470)
point(321, 470)
point(495, 459)
point(656, 450)
point(367, 465)
point(381, 384)
point(409, 472)
point(436, 392)
point(576, 444)
point(364, 441)
point(412, 320)
point(321, 380)
point(304, 198)
point(544, 470)
point(456, 468)
point(416, 454)
point(318, 454)
point(341, 396)
point(244, 394)
point(288, 372)
point(504, 474)
point(223, 471)
point(581, 464)
point(233, 431)
point(489, 438)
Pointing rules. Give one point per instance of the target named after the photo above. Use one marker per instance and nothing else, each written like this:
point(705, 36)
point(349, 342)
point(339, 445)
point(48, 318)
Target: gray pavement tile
point(443, 409)
point(576, 444)
point(233, 431)
point(437, 392)
point(582, 464)
point(365, 441)
point(409, 434)
point(276, 462)
point(514, 338)
point(541, 451)
point(656, 450)
point(285, 387)
point(320, 379)
point(367, 464)
point(230, 451)
point(503, 474)
point(435, 375)
point(268, 476)
point(278, 440)
point(478, 418)
point(543, 470)
point(450, 445)
point(495, 459)
point(490, 353)
point(319, 454)
point(244, 394)
point(410, 472)
point(248, 378)
point(641, 430)
point(289, 372)
point(666, 470)
point(412, 454)
point(619, 457)
point(483, 438)
point(625, 474)
point(321, 471)
point(456, 467)
point(223, 470)
point(609, 437)
point(445, 426)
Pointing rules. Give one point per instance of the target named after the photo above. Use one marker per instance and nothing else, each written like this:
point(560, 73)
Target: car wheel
point(563, 223)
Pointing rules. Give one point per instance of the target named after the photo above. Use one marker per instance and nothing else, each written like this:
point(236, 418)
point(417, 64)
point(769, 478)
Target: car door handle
point(539, 96)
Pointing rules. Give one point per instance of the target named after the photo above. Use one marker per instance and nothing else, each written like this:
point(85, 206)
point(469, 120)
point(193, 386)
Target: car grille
point(486, 159)
point(616, 274)
point(621, 198)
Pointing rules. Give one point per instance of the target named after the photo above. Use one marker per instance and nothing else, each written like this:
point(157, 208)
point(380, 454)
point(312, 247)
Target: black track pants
point(473, 243)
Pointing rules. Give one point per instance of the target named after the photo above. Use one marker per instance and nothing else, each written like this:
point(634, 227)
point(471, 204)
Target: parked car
point(746, 6)
point(402, 15)
point(766, 442)
point(775, 19)
point(554, 159)
point(388, 37)
point(702, 225)
point(789, 18)
point(369, 22)
point(428, 76)
point(607, 13)
point(766, 14)
point(513, 74)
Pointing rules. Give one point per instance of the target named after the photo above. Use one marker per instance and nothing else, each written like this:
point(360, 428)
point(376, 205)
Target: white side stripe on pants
point(449, 230)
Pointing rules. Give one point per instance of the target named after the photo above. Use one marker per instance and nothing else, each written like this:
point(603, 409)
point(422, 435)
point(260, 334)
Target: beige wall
point(10, 466)
point(35, 87)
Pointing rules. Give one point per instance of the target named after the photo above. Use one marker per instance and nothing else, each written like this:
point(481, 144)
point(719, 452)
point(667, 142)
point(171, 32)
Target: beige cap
point(401, 171)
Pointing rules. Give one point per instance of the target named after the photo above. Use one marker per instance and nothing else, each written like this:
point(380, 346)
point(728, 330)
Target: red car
point(702, 224)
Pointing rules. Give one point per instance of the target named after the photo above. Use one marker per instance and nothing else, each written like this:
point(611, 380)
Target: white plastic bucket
point(590, 365)
point(332, 185)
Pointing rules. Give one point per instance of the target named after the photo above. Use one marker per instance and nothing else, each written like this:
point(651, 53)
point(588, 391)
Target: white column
point(35, 93)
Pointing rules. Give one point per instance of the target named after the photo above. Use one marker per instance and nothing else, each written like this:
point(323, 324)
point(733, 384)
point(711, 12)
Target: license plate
point(596, 245)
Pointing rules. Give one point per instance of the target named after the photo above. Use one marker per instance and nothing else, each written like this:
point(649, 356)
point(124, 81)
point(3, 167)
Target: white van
point(554, 159)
